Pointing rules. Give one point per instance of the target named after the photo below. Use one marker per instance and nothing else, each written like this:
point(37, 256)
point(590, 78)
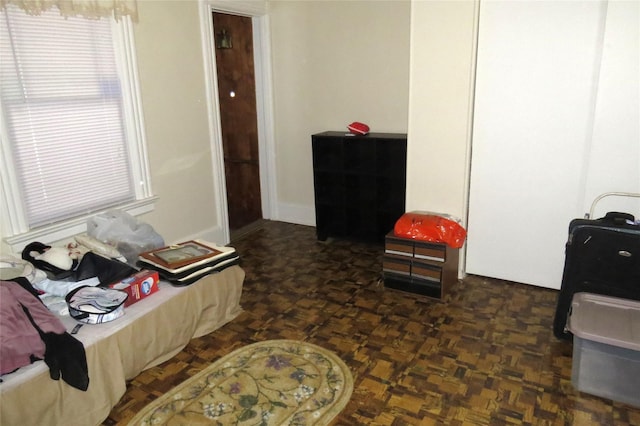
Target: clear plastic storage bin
point(606, 346)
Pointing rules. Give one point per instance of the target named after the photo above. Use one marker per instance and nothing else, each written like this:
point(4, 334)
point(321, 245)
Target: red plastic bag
point(430, 227)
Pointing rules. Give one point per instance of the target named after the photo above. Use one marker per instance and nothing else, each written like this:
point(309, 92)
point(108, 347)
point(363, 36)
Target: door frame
point(257, 11)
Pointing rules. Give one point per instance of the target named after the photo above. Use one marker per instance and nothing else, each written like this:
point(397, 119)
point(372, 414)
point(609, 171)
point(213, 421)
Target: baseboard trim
point(296, 213)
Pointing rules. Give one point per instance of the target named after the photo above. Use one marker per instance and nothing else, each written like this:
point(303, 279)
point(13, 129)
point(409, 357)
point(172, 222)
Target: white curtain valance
point(93, 9)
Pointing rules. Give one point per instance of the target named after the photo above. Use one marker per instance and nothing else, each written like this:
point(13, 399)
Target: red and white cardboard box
point(138, 286)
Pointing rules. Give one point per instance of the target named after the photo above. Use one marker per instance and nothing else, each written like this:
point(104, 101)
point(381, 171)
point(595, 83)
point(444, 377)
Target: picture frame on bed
point(182, 254)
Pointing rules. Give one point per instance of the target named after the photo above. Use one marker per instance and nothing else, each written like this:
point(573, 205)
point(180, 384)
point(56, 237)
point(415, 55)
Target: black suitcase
point(602, 256)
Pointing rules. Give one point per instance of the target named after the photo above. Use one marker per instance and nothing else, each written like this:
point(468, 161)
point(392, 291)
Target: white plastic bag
point(123, 231)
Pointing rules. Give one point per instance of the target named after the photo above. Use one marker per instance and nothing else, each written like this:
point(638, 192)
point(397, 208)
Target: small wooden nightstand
point(420, 267)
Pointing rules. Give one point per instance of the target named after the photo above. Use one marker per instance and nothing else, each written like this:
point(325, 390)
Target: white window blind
point(67, 117)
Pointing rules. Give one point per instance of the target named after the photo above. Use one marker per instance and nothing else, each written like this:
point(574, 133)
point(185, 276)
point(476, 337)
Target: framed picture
point(180, 254)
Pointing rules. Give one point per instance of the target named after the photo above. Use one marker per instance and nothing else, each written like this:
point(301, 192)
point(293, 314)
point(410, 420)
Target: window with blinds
point(65, 117)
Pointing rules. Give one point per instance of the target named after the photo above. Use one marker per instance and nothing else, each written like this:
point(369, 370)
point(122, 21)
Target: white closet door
point(535, 99)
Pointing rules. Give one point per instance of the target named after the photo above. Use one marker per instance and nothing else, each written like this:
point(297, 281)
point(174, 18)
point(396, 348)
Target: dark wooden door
point(237, 97)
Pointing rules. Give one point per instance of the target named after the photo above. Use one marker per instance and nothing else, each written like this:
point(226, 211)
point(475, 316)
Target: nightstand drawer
point(425, 271)
point(397, 246)
point(396, 264)
point(429, 251)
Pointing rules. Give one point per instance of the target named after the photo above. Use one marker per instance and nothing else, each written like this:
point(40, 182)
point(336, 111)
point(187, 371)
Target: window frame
point(14, 222)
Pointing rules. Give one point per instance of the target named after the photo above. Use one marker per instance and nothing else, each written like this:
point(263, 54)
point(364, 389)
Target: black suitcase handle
point(618, 217)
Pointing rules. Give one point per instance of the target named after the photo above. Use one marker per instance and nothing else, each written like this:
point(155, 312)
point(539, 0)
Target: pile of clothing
point(30, 331)
point(33, 290)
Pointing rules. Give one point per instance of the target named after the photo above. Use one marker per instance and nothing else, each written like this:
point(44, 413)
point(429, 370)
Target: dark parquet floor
point(484, 356)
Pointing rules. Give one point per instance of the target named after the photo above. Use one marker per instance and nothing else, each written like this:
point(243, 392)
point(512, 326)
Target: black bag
point(108, 271)
point(602, 256)
point(52, 271)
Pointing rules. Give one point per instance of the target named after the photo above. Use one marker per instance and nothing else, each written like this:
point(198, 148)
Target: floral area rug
point(276, 382)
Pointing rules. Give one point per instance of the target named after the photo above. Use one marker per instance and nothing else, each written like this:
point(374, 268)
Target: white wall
point(399, 66)
point(172, 83)
point(173, 96)
point(334, 62)
point(440, 105)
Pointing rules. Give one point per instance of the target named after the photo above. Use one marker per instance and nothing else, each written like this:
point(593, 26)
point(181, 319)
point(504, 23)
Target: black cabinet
point(359, 182)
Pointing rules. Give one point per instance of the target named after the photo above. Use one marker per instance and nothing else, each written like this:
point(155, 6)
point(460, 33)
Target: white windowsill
point(64, 230)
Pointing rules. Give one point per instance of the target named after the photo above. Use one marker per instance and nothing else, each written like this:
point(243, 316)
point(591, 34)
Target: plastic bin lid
point(606, 319)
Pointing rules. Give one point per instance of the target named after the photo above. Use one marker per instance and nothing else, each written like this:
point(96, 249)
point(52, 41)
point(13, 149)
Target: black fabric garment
point(24, 283)
point(65, 356)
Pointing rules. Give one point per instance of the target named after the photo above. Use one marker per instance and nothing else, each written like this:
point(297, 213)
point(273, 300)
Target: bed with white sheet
point(152, 331)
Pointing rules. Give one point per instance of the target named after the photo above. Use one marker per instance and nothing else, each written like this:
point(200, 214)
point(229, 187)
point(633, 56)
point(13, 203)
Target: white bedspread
point(152, 331)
